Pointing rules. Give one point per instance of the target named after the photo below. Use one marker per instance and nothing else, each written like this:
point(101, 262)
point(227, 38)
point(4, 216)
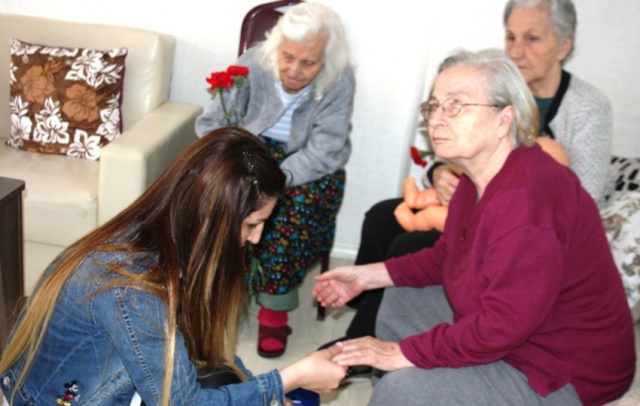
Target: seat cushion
point(61, 194)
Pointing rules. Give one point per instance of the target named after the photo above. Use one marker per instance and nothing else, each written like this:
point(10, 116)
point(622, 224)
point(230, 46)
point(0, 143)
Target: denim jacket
point(101, 348)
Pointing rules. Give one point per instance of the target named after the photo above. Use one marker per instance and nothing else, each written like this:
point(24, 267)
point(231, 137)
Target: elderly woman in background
point(539, 37)
point(519, 302)
point(299, 99)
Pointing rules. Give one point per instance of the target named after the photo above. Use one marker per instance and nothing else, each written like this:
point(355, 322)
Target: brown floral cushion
point(65, 100)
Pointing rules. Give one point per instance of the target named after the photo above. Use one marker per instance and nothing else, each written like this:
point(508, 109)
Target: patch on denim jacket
point(70, 394)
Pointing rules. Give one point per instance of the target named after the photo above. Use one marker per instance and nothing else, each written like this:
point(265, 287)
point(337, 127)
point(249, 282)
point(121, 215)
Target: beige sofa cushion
point(65, 198)
point(62, 194)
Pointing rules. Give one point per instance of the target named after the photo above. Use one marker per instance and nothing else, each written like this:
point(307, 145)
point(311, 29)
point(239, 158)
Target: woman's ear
point(565, 49)
point(506, 117)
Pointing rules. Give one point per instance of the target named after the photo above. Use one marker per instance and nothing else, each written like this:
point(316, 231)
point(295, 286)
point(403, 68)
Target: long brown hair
point(190, 218)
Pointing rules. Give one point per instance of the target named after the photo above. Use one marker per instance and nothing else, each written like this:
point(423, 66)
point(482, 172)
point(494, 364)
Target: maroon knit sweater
point(531, 280)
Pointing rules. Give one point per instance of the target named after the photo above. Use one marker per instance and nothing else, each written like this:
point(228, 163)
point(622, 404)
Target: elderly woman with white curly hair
point(298, 98)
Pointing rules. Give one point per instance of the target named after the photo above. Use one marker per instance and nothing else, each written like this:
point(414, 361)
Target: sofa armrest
point(129, 164)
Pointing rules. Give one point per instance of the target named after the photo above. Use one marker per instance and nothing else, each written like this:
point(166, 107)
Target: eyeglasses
point(450, 107)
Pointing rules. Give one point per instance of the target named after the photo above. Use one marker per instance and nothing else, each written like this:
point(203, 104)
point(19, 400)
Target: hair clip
point(248, 163)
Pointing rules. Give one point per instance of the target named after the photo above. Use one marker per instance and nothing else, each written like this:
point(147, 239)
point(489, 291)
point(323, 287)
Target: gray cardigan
point(319, 143)
point(583, 125)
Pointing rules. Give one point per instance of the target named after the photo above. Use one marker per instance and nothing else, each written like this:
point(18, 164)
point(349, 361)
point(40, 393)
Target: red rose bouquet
point(228, 82)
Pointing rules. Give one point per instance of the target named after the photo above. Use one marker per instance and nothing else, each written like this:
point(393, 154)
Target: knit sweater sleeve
point(495, 309)
point(584, 127)
point(510, 308)
point(423, 268)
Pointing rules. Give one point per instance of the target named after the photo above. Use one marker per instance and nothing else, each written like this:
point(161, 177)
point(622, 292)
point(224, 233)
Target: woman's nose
point(436, 116)
point(254, 236)
point(295, 68)
point(514, 49)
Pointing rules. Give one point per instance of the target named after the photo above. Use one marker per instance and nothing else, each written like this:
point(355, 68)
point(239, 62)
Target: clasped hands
point(335, 288)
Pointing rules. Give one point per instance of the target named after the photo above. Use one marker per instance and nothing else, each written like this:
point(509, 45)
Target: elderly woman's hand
point(382, 355)
point(445, 181)
point(338, 286)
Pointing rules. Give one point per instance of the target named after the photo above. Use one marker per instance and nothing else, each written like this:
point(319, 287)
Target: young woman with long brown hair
point(150, 298)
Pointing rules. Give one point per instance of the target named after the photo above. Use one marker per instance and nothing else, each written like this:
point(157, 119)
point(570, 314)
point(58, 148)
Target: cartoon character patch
point(70, 394)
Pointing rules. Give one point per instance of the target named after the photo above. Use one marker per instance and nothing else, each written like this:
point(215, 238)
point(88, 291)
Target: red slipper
point(277, 333)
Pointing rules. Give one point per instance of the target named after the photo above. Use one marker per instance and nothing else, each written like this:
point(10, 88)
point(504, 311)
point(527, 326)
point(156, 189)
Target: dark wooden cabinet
point(11, 253)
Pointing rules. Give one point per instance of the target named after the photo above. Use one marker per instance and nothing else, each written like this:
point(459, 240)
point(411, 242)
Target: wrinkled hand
point(338, 286)
point(445, 181)
point(382, 355)
point(316, 372)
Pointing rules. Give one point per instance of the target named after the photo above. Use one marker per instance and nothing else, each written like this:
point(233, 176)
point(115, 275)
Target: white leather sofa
point(67, 197)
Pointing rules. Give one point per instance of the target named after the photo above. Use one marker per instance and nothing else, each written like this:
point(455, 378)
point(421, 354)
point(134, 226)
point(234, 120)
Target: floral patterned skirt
point(300, 230)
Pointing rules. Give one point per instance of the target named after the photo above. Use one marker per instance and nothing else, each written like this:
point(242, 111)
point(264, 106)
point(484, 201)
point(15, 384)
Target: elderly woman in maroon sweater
point(519, 302)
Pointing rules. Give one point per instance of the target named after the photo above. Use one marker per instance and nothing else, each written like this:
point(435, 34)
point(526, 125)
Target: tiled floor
point(308, 334)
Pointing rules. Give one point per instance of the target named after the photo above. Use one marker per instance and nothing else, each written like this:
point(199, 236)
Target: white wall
point(396, 51)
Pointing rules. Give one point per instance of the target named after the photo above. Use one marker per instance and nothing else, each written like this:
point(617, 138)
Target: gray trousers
point(409, 311)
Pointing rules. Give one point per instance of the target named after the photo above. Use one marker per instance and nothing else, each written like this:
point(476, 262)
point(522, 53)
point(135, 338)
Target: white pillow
point(621, 218)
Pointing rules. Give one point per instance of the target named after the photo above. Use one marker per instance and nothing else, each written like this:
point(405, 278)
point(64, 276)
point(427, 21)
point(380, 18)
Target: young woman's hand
point(315, 372)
